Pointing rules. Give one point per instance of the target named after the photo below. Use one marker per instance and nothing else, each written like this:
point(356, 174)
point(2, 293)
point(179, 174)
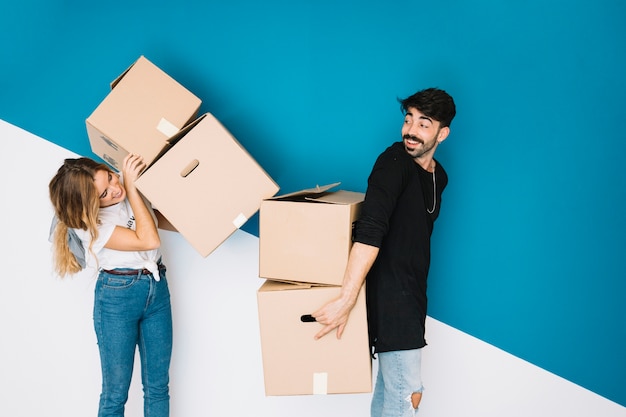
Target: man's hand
point(333, 315)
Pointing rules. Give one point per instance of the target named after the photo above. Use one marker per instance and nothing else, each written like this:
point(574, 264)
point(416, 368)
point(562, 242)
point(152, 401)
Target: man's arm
point(335, 313)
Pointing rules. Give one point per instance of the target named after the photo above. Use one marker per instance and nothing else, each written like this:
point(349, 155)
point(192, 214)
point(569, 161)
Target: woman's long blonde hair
point(76, 204)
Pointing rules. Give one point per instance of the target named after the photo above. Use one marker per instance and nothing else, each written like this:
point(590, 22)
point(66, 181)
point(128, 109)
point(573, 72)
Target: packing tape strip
point(320, 383)
point(166, 127)
point(240, 220)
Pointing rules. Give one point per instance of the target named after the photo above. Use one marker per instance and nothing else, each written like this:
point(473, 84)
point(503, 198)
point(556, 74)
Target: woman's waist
point(138, 270)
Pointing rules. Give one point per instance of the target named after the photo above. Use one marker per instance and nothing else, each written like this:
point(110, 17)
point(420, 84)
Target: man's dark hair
point(433, 103)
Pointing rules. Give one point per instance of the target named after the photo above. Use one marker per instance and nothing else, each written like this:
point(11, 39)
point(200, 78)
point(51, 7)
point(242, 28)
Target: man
point(392, 250)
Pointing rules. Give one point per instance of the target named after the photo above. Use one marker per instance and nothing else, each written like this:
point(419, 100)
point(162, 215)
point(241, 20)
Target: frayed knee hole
point(416, 398)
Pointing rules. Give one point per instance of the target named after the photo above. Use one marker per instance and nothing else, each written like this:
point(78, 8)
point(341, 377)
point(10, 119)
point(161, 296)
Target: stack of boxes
point(207, 186)
point(304, 242)
point(198, 176)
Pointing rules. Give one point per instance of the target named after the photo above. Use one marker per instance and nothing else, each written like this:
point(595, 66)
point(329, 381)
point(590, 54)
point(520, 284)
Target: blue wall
point(528, 251)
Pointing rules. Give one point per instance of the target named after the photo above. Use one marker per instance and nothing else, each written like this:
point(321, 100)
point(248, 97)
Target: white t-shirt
point(120, 214)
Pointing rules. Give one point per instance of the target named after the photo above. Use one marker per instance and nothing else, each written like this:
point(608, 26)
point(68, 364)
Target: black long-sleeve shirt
point(396, 217)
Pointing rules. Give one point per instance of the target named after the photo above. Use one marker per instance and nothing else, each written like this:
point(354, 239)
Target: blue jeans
point(129, 311)
point(399, 377)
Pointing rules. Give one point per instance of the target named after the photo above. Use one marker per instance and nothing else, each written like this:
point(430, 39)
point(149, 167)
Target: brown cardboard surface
point(307, 237)
point(207, 185)
point(144, 108)
point(294, 363)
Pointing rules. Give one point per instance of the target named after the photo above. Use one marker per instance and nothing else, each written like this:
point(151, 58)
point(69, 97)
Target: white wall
point(48, 355)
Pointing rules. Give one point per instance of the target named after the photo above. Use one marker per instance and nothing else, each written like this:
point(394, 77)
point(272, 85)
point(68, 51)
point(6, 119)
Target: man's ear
point(443, 134)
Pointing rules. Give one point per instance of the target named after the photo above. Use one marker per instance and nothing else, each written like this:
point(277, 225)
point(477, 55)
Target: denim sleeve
point(73, 241)
point(385, 184)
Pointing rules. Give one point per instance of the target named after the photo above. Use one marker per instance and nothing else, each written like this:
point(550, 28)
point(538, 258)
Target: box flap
point(172, 141)
point(119, 77)
point(310, 192)
point(287, 284)
point(338, 197)
point(271, 285)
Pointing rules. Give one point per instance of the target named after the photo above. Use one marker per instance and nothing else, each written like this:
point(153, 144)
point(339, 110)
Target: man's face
point(420, 133)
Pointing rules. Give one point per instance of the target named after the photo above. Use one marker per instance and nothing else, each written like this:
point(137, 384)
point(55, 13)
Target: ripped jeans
point(399, 377)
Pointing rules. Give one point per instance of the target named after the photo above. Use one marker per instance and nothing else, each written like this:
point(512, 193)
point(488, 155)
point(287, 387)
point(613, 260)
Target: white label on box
point(320, 383)
point(240, 220)
point(167, 128)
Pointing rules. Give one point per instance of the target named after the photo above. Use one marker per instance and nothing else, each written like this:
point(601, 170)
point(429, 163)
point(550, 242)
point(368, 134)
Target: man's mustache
point(413, 138)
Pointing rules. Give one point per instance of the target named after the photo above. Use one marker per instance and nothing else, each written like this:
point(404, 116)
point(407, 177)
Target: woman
point(105, 218)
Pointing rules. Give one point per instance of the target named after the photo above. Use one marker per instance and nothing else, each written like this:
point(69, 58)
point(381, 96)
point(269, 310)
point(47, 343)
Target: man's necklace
point(434, 194)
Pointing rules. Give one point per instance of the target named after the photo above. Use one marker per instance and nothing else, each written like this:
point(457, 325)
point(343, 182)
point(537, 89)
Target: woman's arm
point(145, 236)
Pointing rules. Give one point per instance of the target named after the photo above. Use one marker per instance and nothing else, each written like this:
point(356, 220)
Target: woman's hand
point(132, 166)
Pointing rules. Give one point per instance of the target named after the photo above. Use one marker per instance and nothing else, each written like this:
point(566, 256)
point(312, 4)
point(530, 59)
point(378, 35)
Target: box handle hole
point(307, 318)
point(189, 168)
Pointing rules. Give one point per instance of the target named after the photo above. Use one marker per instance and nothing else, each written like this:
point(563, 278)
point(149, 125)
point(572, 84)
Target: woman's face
point(109, 187)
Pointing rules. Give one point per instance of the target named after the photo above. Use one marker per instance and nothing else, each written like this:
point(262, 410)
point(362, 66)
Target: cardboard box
point(144, 109)
point(294, 363)
point(206, 185)
point(306, 236)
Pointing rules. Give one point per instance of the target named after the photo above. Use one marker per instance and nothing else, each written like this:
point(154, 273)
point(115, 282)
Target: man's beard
point(417, 151)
